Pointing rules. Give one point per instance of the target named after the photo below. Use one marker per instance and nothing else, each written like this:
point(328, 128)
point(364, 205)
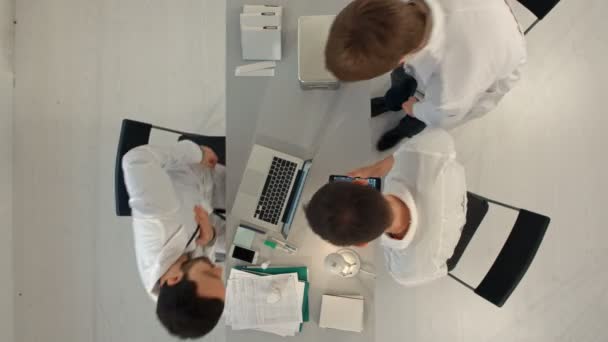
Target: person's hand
point(209, 157)
point(363, 172)
point(379, 169)
point(361, 181)
point(408, 106)
point(207, 232)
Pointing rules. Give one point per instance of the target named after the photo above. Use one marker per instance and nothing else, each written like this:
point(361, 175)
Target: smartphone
point(373, 182)
point(243, 254)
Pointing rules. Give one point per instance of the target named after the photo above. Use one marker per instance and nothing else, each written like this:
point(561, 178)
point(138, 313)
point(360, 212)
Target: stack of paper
point(342, 312)
point(270, 303)
point(261, 29)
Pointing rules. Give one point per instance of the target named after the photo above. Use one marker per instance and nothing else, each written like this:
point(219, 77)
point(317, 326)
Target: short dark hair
point(347, 214)
point(369, 38)
point(184, 313)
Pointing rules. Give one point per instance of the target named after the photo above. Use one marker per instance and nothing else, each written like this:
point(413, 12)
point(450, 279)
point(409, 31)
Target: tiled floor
point(82, 66)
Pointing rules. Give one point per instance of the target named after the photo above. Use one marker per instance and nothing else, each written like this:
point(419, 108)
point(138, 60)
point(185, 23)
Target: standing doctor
point(460, 56)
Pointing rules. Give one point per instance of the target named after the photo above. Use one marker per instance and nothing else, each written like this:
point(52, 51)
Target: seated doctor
point(418, 216)
point(171, 190)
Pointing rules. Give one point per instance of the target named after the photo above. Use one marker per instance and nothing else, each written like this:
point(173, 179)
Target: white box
point(263, 9)
point(259, 20)
point(342, 313)
point(261, 43)
point(261, 33)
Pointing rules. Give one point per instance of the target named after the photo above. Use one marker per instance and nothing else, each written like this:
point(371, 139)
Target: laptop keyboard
point(275, 191)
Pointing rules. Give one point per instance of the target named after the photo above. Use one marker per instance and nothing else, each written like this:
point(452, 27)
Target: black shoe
point(407, 128)
point(390, 139)
point(378, 106)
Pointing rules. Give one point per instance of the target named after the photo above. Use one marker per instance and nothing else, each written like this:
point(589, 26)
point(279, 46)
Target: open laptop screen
point(294, 198)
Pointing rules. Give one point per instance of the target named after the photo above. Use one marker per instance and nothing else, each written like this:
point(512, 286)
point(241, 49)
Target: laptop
point(270, 190)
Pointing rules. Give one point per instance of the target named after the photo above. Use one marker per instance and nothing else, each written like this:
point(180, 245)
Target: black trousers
point(403, 86)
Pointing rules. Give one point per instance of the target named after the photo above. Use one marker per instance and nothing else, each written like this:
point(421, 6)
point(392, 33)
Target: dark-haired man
point(171, 193)
point(418, 217)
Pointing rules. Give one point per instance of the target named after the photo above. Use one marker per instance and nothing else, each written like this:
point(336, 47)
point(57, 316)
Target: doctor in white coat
point(170, 193)
point(418, 216)
point(460, 58)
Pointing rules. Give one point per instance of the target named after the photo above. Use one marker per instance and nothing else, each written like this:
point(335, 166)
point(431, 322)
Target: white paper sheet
point(247, 306)
point(290, 329)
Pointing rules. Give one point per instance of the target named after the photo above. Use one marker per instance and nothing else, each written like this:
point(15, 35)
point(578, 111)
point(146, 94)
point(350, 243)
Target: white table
point(332, 127)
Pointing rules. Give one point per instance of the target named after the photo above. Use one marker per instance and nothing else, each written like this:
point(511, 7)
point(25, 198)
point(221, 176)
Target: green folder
point(302, 272)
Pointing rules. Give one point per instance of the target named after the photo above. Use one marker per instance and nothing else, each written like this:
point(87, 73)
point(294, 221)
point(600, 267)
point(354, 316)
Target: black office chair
point(135, 133)
point(540, 9)
point(515, 256)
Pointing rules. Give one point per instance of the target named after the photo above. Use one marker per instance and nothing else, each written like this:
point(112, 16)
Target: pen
point(253, 229)
point(274, 243)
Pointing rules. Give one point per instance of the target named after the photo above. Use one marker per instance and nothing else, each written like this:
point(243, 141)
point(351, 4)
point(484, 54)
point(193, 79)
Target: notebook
point(342, 313)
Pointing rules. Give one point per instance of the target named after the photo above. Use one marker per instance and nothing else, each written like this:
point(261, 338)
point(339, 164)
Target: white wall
point(6, 166)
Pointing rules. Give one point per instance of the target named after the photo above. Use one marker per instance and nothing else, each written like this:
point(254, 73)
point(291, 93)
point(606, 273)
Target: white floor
point(82, 66)
point(543, 149)
point(6, 169)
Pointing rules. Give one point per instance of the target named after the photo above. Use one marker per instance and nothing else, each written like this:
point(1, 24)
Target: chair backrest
point(477, 208)
point(132, 134)
point(540, 8)
point(515, 256)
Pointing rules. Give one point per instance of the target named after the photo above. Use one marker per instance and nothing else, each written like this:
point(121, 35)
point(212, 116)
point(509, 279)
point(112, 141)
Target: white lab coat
point(473, 58)
point(429, 180)
point(164, 185)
